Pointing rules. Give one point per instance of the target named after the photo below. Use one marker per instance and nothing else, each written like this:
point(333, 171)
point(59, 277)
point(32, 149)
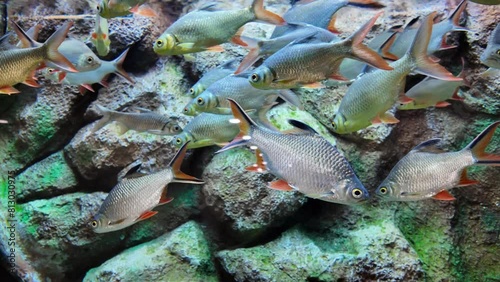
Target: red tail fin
point(118, 62)
point(479, 144)
point(265, 15)
point(176, 162)
point(244, 122)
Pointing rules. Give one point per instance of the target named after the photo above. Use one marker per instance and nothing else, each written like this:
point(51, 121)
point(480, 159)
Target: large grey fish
point(304, 65)
point(318, 13)
point(205, 29)
point(237, 87)
point(370, 96)
point(491, 55)
point(207, 129)
point(303, 161)
point(147, 121)
point(261, 48)
point(212, 76)
point(439, 30)
point(19, 65)
point(427, 172)
point(134, 197)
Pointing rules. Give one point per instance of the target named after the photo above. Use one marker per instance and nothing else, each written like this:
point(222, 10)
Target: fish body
point(134, 197)
point(491, 55)
point(375, 92)
point(118, 8)
point(487, 2)
point(426, 172)
point(304, 161)
point(210, 77)
point(204, 28)
point(146, 121)
point(79, 54)
point(207, 129)
point(298, 65)
point(18, 65)
point(262, 48)
point(214, 98)
point(100, 36)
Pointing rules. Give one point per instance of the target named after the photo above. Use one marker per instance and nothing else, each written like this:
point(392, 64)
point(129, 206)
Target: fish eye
point(383, 190)
point(178, 141)
point(357, 193)
point(255, 77)
point(51, 71)
point(159, 43)
point(498, 52)
point(186, 110)
point(90, 59)
point(98, 8)
point(177, 128)
point(191, 91)
point(200, 101)
point(94, 223)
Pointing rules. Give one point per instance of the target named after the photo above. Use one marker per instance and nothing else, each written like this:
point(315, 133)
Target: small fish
point(134, 197)
point(370, 96)
point(100, 37)
point(303, 161)
point(19, 65)
point(207, 129)
point(319, 13)
point(118, 8)
point(212, 76)
point(237, 87)
point(487, 2)
point(432, 92)
point(426, 172)
point(439, 30)
point(79, 54)
point(146, 121)
point(86, 79)
point(204, 29)
point(262, 48)
point(304, 65)
point(491, 55)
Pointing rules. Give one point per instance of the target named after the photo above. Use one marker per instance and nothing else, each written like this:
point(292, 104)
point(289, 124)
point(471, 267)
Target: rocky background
point(233, 228)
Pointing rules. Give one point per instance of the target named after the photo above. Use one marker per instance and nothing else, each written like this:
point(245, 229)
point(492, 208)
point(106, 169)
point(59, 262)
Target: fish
point(491, 55)
point(19, 65)
point(207, 129)
point(319, 13)
point(32, 32)
point(370, 96)
point(100, 36)
point(205, 29)
point(118, 8)
point(303, 161)
point(86, 79)
point(262, 48)
point(136, 195)
point(79, 54)
point(237, 87)
point(487, 2)
point(146, 121)
point(212, 76)
point(304, 65)
point(432, 92)
point(439, 30)
point(428, 172)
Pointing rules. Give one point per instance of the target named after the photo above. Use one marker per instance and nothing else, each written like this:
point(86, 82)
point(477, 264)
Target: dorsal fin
point(130, 171)
point(428, 146)
point(300, 125)
point(142, 110)
point(231, 64)
point(208, 7)
point(412, 23)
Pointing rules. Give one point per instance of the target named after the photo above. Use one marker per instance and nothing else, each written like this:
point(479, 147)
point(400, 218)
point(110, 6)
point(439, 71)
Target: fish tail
point(418, 52)
point(290, 97)
point(366, 3)
point(52, 44)
point(479, 144)
point(253, 55)
point(264, 15)
point(30, 33)
point(118, 63)
point(363, 52)
point(25, 40)
point(454, 17)
point(176, 163)
point(244, 122)
point(106, 118)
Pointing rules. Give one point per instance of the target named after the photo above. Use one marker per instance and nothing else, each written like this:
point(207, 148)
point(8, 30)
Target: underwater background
point(233, 227)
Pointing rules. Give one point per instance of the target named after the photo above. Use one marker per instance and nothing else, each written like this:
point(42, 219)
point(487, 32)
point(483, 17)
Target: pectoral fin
point(281, 185)
point(146, 215)
point(444, 196)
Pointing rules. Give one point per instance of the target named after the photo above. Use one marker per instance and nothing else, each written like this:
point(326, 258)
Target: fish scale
point(18, 64)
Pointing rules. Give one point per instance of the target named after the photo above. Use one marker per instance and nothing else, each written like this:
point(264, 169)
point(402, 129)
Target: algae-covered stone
point(181, 255)
point(50, 177)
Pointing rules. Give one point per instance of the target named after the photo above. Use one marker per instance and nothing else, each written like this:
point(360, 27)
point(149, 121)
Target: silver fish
point(303, 161)
point(79, 54)
point(426, 172)
point(491, 55)
point(212, 76)
point(134, 197)
point(147, 121)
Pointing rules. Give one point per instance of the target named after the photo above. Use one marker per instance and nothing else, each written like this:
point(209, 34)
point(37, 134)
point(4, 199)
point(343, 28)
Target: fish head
point(412, 105)
point(171, 127)
point(87, 62)
point(190, 109)
point(167, 45)
point(491, 56)
point(261, 77)
point(339, 123)
point(386, 191)
point(196, 90)
point(205, 102)
point(103, 9)
point(181, 139)
point(53, 74)
point(348, 191)
point(100, 224)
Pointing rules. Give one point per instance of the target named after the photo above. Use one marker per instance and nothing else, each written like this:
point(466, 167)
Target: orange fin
point(31, 82)
point(405, 99)
point(384, 49)
point(444, 196)
point(281, 185)
point(264, 15)
point(331, 25)
point(260, 165)
point(338, 76)
point(388, 118)
point(456, 97)
point(164, 199)
point(314, 85)
point(367, 3)
point(146, 215)
point(465, 181)
point(8, 90)
point(62, 75)
point(143, 11)
point(216, 48)
point(94, 35)
point(479, 144)
point(376, 120)
point(175, 164)
point(88, 87)
point(442, 104)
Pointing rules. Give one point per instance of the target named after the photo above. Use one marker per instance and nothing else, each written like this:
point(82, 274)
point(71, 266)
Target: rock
point(50, 177)
point(181, 255)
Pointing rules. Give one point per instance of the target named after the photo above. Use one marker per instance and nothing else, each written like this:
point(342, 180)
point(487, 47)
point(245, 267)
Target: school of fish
point(229, 103)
